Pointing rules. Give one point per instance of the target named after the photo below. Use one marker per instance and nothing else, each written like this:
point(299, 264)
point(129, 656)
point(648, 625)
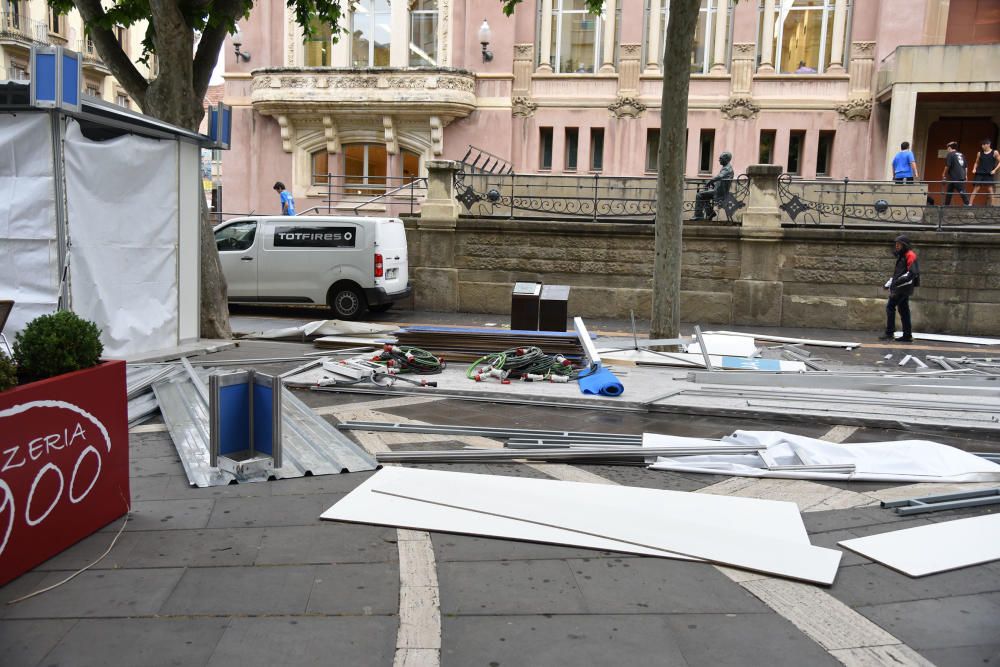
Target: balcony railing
point(17, 74)
point(14, 25)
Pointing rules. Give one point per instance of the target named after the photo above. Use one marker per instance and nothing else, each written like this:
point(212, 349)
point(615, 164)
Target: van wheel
point(347, 302)
point(381, 308)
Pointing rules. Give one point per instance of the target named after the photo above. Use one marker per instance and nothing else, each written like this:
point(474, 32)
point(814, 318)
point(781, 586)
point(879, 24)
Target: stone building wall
point(795, 277)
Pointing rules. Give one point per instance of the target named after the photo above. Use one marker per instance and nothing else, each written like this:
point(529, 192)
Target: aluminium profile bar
point(448, 456)
point(488, 397)
point(840, 397)
point(703, 348)
point(945, 501)
point(487, 431)
point(593, 357)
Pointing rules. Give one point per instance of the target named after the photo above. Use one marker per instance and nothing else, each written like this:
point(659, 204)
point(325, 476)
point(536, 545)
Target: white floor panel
point(755, 534)
point(936, 548)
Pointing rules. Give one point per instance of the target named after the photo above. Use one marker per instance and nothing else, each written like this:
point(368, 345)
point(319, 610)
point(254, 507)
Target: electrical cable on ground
point(522, 363)
point(78, 572)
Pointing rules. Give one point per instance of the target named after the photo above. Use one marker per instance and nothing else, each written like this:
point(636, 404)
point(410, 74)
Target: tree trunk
point(171, 99)
point(670, 168)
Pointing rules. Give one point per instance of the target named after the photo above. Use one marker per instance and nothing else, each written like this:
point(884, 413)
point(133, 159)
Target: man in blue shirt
point(904, 165)
point(287, 203)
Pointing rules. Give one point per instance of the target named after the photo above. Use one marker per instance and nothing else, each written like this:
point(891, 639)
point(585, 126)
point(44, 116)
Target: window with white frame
point(371, 33)
point(803, 35)
point(701, 53)
point(576, 38)
point(318, 47)
point(423, 33)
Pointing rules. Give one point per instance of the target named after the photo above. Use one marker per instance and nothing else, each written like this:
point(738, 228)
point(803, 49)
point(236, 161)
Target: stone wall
point(803, 278)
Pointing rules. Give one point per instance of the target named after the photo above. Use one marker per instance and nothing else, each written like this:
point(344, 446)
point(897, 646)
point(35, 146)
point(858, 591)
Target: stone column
point(901, 120)
point(399, 41)
point(654, 52)
point(545, 39)
point(757, 295)
point(767, 38)
point(433, 263)
point(720, 37)
point(608, 48)
point(520, 94)
point(341, 55)
point(839, 27)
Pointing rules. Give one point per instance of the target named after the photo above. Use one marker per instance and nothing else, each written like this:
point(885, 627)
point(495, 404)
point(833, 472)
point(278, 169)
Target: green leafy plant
point(54, 344)
point(8, 372)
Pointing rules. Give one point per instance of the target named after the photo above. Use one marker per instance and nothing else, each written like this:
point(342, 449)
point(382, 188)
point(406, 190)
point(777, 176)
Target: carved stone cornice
point(524, 52)
point(859, 108)
point(630, 51)
point(445, 92)
point(626, 106)
point(522, 106)
point(862, 50)
point(740, 107)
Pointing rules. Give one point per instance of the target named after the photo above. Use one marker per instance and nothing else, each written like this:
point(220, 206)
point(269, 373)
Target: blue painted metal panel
point(263, 419)
point(234, 420)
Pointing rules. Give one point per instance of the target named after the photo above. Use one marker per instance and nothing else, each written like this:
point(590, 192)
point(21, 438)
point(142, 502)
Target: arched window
point(803, 35)
point(370, 33)
point(701, 53)
point(576, 38)
point(319, 167)
point(423, 33)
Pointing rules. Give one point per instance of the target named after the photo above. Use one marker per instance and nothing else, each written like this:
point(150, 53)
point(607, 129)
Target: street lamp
point(237, 43)
point(485, 37)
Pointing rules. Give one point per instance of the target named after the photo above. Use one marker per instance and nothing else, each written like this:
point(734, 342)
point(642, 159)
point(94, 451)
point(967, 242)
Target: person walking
point(287, 202)
point(987, 164)
point(905, 277)
point(904, 164)
point(954, 173)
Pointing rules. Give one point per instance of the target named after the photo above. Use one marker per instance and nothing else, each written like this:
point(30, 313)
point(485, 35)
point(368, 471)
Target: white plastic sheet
point(893, 461)
point(29, 255)
point(123, 221)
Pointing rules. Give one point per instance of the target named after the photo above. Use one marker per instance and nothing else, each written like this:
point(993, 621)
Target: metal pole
point(843, 204)
point(596, 177)
point(704, 350)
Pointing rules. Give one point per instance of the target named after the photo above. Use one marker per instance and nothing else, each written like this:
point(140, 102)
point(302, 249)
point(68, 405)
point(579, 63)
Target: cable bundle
point(521, 363)
point(408, 359)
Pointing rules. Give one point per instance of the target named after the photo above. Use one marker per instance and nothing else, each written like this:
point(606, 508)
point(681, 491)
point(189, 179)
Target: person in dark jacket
point(905, 277)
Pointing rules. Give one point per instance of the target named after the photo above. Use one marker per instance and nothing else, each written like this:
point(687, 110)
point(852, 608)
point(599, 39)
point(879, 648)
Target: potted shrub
point(63, 441)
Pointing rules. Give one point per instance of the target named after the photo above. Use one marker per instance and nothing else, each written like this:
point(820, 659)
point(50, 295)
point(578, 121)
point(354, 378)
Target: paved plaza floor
point(248, 575)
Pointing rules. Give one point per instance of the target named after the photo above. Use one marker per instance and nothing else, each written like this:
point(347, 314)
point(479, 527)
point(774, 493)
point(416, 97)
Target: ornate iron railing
point(596, 198)
point(847, 203)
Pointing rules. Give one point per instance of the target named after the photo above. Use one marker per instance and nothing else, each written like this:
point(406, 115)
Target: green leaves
point(8, 373)
point(54, 344)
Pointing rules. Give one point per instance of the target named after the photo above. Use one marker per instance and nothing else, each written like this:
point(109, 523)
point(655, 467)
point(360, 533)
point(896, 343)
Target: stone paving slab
point(179, 514)
point(954, 622)
point(224, 591)
point(326, 542)
point(99, 593)
point(138, 641)
point(355, 589)
point(219, 547)
point(986, 655)
point(25, 643)
point(306, 642)
point(277, 511)
point(510, 587)
point(659, 585)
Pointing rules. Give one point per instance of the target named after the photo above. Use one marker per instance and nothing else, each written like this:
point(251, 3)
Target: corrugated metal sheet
point(310, 444)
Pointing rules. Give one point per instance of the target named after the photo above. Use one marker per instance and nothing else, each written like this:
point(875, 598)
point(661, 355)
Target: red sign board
point(63, 463)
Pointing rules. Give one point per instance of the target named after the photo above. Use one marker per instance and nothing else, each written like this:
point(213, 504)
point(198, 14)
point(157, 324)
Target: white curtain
point(122, 198)
point(29, 255)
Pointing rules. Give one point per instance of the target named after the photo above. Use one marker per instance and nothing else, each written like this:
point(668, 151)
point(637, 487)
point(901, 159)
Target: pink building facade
point(825, 88)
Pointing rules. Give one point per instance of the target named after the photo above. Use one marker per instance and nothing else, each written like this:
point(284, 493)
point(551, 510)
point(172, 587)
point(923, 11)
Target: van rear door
point(390, 242)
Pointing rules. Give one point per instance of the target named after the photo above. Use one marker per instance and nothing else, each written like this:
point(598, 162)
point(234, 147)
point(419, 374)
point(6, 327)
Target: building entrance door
point(968, 132)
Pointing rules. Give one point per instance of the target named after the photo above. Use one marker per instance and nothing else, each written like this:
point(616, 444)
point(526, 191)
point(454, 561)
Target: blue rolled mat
point(601, 381)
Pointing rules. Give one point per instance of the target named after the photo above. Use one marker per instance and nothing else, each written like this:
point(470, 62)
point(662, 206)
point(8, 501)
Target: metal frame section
point(784, 339)
point(140, 378)
point(945, 501)
point(839, 397)
point(908, 383)
point(558, 454)
point(703, 348)
point(484, 431)
point(310, 445)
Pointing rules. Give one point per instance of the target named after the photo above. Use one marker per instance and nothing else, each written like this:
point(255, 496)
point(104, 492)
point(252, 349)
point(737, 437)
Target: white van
point(352, 264)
